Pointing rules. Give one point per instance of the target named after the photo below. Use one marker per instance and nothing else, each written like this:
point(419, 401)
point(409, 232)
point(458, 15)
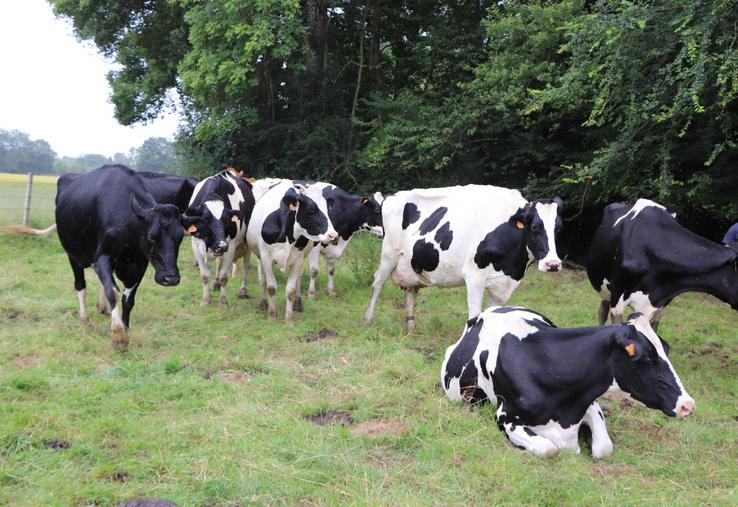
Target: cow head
point(643, 371)
point(372, 208)
point(219, 224)
point(164, 229)
point(310, 211)
point(540, 220)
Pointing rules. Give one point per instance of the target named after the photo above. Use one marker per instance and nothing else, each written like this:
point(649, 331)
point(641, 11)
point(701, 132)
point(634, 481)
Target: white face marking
point(216, 208)
point(548, 214)
point(639, 205)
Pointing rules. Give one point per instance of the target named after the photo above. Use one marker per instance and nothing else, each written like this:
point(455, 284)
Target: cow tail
point(28, 231)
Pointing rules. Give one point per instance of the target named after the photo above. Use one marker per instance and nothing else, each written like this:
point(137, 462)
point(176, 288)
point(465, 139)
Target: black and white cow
point(169, 189)
point(225, 202)
point(287, 221)
point(546, 380)
point(478, 235)
point(640, 256)
point(349, 214)
point(107, 218)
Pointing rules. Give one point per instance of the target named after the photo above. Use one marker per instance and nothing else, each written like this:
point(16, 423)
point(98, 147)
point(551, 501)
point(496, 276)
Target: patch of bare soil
point(342, 417)
point(378, 428)
point(234, 377)
point(120, 477)
point(314, 336)
point(56, 444)
point(22, 362)
point(223, 337)
point(147, 502)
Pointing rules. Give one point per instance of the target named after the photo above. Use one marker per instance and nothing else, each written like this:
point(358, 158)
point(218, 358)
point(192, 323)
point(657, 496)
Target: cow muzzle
point(167, 280)
point(328, 237)
point(684, 407)
point(549, 265)
point(220, 248)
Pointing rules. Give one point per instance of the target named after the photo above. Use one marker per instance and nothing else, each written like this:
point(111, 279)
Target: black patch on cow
point(310, 217)
point(504, 248)
point(425, 256)
point(529, 431)
point(444, 236)
point(483, 356)
point(433, 220)
point(278, 226)
point(302, 242)
point(410, 215)
point(460, 363)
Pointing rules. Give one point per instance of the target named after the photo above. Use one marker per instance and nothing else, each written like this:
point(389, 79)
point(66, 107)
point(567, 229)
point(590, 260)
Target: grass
point(214, 406)
point(12, 196)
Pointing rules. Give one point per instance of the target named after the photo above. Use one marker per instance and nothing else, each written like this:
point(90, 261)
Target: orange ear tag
point(293, 207)
point(192, 228)
point(364, 201)
point(519, 224)
point(631, 349)
point(234, 218)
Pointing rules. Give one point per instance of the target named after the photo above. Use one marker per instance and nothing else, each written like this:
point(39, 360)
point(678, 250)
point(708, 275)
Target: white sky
point(54, 88)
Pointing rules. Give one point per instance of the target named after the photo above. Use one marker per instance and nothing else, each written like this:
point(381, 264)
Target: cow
point(108, 219)
point(478, 235)
point(169, 189)
point(546, 380)
point(641, 257)
point(287, 221)
point(225, 202)
point(349, 214)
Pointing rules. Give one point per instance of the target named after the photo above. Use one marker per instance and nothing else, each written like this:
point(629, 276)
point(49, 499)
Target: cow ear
point(365, 201)
point(520, 219)
point(193, 225)
point(623, 338)
point(137, 209)
point(300, 187)
point(234, 215)
point(559, 203)
point(194, 211)
point(290, 200)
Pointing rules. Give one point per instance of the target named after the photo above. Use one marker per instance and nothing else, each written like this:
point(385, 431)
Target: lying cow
point(546, 380)
point(478, 235)
point(107, 218)
point(640, 256)
point(349, 214)
point(225, 202)
point(287, 220)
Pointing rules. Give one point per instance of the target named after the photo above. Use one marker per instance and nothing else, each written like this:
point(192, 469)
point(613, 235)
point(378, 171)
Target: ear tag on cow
point(631, 349)
point(519, 224)
point(192, 228)
point(364, 201)
point(234, 218)
point(293, 207)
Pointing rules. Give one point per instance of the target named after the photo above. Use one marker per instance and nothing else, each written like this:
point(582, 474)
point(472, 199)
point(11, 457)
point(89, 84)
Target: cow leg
point(102, 305)
point(314, 261)
point(601, 443)
point(410, 295)
point(297, 306)
point(474, 296)
point(525, 438)
point(656, 318)
point(104, 270)
point(262, 286)
point(131, 275)
point(386, 266)
point(616, 315)
point(291, 289)
point(271, 286)
point(202, 262)
point(330, 268)
point(224, 265)
point(243, 292)
point(81, 287)
point(603, 313)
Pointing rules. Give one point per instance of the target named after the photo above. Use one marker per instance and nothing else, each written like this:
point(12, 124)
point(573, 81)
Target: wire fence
point(16, 204)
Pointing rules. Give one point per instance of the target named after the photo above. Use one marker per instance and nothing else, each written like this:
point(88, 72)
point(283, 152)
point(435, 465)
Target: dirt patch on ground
point(378, 428)
point(146, 502)
point(22, 362)
point(56, 444)
point(314, 336)
point(612, 471)
point(342, 417)
point(223, 337)
point(120, 477)
point(234, 377)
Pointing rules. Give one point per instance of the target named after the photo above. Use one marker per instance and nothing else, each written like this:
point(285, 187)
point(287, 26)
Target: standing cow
point(640, 256)
point(107, 218)
point(287, 220)
point(546, 380)
point(349, 214)
point(225, 202)
point(475, 235)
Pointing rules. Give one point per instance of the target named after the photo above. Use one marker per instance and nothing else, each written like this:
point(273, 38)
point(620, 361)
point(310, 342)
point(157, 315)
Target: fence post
point(27, 202)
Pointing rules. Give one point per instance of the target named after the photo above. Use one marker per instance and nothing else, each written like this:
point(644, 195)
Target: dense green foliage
point(20, 154)
point(594, 100)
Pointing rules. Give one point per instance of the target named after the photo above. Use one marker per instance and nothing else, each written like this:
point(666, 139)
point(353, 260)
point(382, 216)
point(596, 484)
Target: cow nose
point(171, 280)
point(554, 265)
point(222, 245)
point(685, 408)
point(330, 237)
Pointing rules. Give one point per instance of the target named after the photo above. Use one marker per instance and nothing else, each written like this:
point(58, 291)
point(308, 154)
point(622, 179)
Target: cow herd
point(544, 379)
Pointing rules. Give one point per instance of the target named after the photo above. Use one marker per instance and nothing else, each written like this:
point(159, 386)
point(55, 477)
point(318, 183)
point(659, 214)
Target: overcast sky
point(54, 88)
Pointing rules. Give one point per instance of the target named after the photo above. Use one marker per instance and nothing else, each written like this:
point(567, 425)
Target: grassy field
point(12, 194)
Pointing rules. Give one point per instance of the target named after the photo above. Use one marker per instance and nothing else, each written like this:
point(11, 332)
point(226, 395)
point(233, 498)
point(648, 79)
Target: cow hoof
point(84, 320)
point(550, 452)
point(332, 295)
point(272, 316)
point(263, 305)
point(243, 295)
point(366, 322)
point(311, 295)
point(102, 310)
point(223, 303)
point(205, 302)
point(297, 306)
point(289, 322)
point(119, 339)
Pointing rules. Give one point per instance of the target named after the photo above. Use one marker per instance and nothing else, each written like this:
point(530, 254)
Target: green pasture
point(12, 196)
point(215, 406)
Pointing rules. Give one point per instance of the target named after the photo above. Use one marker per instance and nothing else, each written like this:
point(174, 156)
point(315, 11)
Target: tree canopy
point(594, 100)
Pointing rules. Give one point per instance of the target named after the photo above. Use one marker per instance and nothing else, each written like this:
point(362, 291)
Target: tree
point(20, 154)
point(156, 154)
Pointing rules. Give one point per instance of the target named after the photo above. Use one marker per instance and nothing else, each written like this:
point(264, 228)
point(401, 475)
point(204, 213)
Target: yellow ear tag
point(631, 349)
point(293, 207)
point(234, 218)
point(364, 201)
point(192, 228)
point(519, 224)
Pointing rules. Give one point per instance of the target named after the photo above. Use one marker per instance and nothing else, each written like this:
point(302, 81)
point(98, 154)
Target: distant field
point(217, 407)
point(12, 194)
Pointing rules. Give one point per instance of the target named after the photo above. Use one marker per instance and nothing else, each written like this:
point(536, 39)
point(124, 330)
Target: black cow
point(640, 256)
point(107, 218)
point(546, 380)
point(168, 189)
